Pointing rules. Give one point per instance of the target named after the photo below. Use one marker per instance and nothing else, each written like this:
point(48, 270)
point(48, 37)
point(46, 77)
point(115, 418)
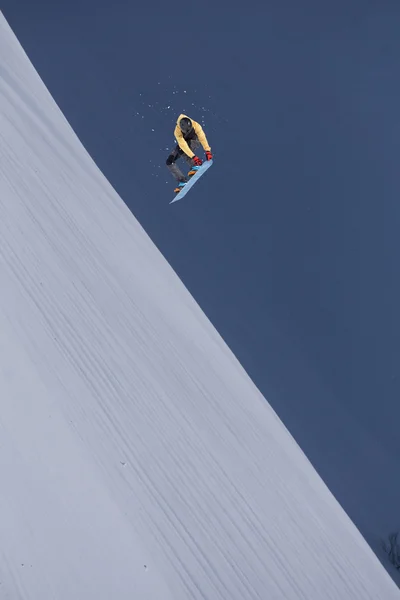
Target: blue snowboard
point(206, 165)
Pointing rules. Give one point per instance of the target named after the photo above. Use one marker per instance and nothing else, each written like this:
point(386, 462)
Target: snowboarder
point(190, 135)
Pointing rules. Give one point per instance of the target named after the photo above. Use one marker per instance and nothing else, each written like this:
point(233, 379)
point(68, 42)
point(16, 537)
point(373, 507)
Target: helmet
point(186, 125)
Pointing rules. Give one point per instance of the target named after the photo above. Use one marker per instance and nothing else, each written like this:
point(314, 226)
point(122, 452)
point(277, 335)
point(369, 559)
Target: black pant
point(177, 152)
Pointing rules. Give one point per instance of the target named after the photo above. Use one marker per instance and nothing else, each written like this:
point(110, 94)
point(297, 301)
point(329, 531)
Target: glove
point(197, 162)
point(208, 155)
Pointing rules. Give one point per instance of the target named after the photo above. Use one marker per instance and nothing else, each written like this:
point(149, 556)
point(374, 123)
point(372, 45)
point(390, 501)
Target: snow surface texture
point(137, 459)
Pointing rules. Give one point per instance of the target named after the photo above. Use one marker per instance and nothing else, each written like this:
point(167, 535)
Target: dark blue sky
point(291, 242)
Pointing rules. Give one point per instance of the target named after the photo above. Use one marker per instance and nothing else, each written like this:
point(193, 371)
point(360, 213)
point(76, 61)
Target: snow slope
point(137, 459)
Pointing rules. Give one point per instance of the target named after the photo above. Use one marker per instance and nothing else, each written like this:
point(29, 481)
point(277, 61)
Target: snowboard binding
point(180, 187)
point(193, 171)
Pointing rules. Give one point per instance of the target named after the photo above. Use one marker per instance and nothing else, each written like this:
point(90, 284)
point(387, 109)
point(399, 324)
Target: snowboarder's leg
point(173, 167)
point(175, 170)
point(193, 144)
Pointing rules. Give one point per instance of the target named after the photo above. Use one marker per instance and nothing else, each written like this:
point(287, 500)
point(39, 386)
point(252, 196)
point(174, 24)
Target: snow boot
point(193, 171)
point(180, 187)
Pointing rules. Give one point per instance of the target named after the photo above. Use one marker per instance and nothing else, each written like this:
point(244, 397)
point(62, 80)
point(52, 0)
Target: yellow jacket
point(183, 145)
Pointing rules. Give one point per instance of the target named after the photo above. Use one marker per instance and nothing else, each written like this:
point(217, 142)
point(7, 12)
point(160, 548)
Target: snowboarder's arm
point(183, 145)
point(202, 136)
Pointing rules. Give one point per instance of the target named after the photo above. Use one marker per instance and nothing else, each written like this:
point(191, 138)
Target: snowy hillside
point(137, 459)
